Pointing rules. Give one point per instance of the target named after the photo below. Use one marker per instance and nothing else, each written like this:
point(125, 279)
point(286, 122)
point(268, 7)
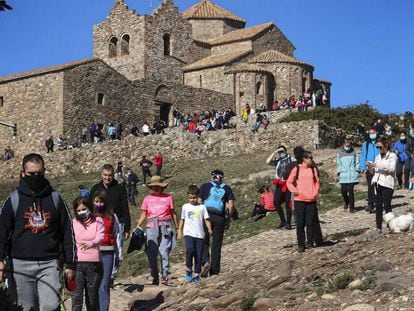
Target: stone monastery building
point(145, 66)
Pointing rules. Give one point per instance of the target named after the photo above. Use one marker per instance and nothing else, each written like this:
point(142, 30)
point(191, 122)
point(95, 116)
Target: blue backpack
point(215, 199)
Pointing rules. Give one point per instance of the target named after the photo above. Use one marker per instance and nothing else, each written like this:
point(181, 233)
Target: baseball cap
point(217, 174)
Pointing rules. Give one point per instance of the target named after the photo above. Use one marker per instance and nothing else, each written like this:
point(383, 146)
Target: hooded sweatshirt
point(39, 229)
point(305, 188)
point(117, 200)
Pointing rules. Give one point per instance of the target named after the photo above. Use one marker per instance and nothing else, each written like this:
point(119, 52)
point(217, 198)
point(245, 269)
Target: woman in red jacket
point(303, 183)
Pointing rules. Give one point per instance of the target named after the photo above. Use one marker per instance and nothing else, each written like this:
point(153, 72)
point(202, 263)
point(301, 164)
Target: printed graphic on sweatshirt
point(194, 215)
point(37, 220)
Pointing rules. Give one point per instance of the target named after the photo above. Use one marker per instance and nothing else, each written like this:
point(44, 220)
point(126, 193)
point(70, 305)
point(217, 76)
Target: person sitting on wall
point(8, 153)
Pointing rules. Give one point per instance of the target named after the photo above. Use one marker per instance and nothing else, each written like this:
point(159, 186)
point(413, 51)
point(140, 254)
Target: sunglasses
point(380, 147)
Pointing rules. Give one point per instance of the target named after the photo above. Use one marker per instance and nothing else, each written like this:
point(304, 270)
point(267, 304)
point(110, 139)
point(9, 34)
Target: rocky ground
point(356, 270)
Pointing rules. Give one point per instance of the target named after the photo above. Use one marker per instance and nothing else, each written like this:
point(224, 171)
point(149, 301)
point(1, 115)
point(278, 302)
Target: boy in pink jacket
point(304, 185)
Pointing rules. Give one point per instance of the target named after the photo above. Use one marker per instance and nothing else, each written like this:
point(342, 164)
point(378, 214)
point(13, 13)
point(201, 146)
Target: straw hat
point(156, 181)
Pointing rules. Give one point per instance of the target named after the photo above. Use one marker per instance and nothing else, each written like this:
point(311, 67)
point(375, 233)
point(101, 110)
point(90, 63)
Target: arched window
point(113, 45)
point(125, 45)
point(167, 44)
point(258, 88)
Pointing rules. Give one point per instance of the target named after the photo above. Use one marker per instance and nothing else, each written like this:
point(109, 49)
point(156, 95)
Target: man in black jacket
point(36, 225)
point(116, 196)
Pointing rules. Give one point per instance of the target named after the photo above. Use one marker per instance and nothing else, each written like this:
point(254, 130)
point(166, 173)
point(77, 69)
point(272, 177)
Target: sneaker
point(155, 282)
point(288, 227)
point(197, 279)
point(281, 225)
point(369, 209)
point(345, 207)
point(188, 276)
point(164, 281)
point(301, 249)
point(205, 269)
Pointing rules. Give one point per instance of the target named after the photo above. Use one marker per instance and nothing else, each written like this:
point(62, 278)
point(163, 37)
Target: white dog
point(401, 223)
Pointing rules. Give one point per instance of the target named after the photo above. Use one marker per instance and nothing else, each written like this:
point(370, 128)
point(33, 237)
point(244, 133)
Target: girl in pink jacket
point(303, 183)
point(89, 233)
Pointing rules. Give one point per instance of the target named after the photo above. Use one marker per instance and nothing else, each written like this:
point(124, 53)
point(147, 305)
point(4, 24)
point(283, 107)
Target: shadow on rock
point(148, 305)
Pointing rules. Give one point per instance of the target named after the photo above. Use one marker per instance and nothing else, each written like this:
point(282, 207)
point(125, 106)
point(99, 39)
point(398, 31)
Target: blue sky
point(364, 47)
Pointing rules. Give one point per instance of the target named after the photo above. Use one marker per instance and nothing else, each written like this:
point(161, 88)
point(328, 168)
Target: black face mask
point(36, 182)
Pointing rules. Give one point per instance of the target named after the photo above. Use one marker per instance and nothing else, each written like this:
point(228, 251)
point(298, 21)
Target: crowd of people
point(39, 238)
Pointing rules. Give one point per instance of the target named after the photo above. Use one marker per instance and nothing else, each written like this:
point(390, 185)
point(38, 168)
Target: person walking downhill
point(219, 201)
point(110, 248)
point(35, 232)
point(89, 233)
point(347, 166)
point(158, 160)
point(161, 223)
point(369, 152)
point(281, 194)
point(193, 216)
point(303, 182)
point(146, 168)
point(384, 179)
point(403, 164)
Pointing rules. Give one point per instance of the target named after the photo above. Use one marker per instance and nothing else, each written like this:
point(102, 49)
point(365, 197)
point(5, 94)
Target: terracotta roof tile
point(45, 70)
point(206, 9)
point(216, 60)
point(240, 34)
point(244, 67)
point(273, 56)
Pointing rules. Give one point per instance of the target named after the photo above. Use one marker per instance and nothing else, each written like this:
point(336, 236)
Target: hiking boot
point(345, 207)
point(197, 279)
point(352, 210)
point(155, 282)
point(205, 269)
point(301, 249)
point(188, 276)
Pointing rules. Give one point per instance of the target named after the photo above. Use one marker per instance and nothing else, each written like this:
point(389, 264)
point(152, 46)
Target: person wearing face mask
point(281, 160)
point(347, 166)
point(36, 225)
point(111, 246)
point(303, 182)
point(89, 233)
point(368, 153)
point(403, 163)
point(384, 179)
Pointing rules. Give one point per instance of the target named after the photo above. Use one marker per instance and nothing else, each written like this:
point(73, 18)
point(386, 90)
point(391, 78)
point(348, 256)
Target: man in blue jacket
point(35, 232)
point(368, 153)
point(403, 164)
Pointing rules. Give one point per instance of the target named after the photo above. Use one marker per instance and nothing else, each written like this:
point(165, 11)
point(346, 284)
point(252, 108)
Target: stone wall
point(206, 29)
point(175, 146)
point(231, 47)
point(273, 39)
point(35, 104)
point(167, 20)
point(122, 21)
point(123, 101)
point(210, 78)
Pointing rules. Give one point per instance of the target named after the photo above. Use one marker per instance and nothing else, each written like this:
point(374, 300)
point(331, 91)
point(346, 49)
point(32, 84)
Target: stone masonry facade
point(145, 66)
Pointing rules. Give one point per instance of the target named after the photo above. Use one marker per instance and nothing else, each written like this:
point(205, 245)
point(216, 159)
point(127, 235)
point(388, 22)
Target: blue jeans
point(104, 288)
point(159, 243)
point(193, 250)
point(36, 284)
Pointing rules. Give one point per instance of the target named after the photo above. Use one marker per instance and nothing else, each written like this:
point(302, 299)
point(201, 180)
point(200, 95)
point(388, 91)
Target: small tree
point(4, 6)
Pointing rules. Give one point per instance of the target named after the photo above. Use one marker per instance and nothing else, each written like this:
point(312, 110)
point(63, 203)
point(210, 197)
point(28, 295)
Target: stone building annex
point(144, 66)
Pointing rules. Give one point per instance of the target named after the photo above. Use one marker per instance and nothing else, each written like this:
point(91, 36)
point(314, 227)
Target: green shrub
point(340, 281)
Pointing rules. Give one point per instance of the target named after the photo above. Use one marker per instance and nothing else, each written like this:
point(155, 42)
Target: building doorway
point(165, 110)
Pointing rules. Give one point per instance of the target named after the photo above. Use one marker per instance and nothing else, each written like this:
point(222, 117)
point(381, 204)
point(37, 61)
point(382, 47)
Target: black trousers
point(278, 199)
point(371, 193)
point(258, 210)
point(217, 223)
point(383, 197)
point(403, 168)
point(306, 216)
point(88, 278)
point(347, 191)
point(146, 172)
